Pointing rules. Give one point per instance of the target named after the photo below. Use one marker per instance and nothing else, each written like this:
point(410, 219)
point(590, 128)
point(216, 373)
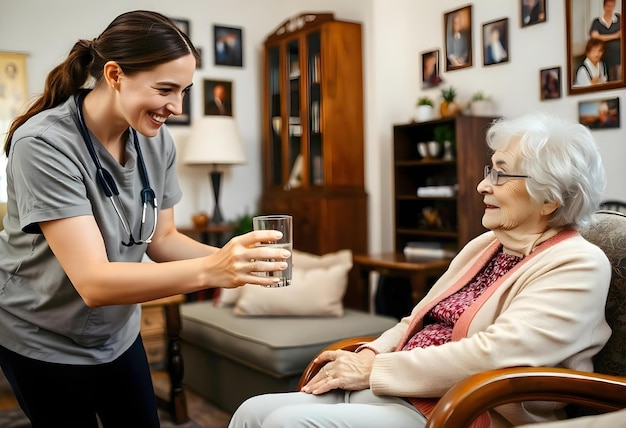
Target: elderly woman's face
point(508, 206)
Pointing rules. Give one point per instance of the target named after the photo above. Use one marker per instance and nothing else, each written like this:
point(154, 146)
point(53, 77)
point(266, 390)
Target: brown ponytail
point(64, 80)
point(137, 41)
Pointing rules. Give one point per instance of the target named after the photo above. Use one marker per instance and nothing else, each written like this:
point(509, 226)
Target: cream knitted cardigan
point(547, 311)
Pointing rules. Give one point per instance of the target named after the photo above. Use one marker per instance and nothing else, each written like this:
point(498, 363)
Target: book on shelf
point(426, 250)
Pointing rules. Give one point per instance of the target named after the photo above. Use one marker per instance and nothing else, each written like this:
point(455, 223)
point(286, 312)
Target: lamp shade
point(214, 140)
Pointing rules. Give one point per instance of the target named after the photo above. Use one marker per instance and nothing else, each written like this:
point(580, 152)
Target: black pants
point(69, 396)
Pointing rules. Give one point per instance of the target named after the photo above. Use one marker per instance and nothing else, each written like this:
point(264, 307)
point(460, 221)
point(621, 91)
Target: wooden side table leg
point(175, 366)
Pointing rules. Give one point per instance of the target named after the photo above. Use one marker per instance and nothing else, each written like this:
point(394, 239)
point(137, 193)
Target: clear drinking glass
point(282, 223)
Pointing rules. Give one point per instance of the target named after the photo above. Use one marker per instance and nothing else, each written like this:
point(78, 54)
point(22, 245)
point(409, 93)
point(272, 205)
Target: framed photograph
point(550, 83)
point(228, 46)
point(13, 87)
point(185, 118)
point(183, 25)
point(218, 95)
point(599, 114)
point(532, 12)
point(457, 26)
point(594, 51)
point(496, 42)
point(431, 76)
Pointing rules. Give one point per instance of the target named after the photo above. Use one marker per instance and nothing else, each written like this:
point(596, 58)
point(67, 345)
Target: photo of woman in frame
point(430, 69)
point(595, 45)
point(457, 26)
point(550, 82)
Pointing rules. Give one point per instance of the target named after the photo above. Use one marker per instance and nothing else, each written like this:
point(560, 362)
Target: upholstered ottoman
point(229, 358)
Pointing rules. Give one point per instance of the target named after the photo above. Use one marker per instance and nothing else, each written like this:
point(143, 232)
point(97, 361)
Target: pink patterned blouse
point(440, 320)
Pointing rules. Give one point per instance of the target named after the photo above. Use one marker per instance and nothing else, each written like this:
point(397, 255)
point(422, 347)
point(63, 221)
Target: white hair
point(562, 160)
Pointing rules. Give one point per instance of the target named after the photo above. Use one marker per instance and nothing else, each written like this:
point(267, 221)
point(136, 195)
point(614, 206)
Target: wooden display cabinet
point(313, 150)
point(450, 220)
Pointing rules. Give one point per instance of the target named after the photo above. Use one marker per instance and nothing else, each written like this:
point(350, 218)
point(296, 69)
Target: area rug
point(15, 418)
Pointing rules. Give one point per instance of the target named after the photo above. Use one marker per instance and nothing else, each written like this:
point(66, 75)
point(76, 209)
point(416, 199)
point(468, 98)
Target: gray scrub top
point(50, 176)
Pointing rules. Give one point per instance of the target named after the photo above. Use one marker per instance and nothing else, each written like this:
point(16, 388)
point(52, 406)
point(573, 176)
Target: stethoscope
point(107, 183)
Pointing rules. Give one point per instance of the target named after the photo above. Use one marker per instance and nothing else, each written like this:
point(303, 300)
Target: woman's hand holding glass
point(238, 262)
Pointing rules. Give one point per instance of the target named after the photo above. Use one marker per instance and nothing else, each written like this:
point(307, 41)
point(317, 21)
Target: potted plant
point(448, 107)
point(481, 104)
point(424, 109)
point(444, 136)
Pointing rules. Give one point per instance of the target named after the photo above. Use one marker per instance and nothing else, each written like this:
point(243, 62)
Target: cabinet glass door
point(294, 152)
point(275, 116)
point(314, 103)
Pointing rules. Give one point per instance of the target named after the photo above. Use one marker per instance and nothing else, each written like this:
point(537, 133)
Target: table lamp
point(215, 142)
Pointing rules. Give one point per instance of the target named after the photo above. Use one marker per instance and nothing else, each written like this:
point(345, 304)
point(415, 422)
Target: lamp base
point(216, 177)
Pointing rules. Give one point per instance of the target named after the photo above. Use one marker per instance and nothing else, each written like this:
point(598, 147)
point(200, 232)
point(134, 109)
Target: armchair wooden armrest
point(350, 344)
point(484, 391)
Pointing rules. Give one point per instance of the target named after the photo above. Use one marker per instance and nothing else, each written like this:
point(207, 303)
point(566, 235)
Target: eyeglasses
point(495, 176)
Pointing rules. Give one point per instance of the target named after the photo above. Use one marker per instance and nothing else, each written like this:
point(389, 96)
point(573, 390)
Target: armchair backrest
point(609, 233)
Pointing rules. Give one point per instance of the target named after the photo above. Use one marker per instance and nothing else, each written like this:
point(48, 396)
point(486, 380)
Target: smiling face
point(508, 206)
point(148, 98)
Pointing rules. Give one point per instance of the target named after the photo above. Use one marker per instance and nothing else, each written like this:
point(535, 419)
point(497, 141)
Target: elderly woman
point(529, 292)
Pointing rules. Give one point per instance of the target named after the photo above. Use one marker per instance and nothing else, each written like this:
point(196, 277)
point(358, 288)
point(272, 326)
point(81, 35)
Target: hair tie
point(92, 47)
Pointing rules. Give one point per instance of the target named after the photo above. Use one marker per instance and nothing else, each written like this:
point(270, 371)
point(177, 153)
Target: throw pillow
point(317, 289)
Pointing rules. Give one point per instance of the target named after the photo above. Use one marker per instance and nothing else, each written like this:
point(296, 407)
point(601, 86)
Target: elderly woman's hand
point(344, 370)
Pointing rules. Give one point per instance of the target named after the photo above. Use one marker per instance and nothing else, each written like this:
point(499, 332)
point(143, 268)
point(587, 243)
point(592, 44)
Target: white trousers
point(338, 408)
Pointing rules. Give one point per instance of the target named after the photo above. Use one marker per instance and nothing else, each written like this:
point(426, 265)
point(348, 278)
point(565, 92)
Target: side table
point(396, 264)
point(160, 330)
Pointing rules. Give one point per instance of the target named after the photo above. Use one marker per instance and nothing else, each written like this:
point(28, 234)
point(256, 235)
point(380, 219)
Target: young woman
point(91, 188)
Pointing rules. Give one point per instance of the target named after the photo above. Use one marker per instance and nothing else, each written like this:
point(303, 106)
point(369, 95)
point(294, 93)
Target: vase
point(434, 149)
point(481, 108)
point(449, 109)
point(423, 113)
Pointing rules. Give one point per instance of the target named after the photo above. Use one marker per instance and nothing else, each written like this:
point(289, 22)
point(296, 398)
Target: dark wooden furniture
point(459, 214)
point(160, 330)
point(395, 264)
point(313, 152)
point(215, 235)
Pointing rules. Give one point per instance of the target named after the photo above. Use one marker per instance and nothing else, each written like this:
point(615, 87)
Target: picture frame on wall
point(183, 25)
point(218, 96)
point(431, 66)
point(457, 26)
point(532, 12)
point(228, 46)
point(13, 86)
point(588, 39)
point(496, 42)
point(599, 114)
point(550, 83)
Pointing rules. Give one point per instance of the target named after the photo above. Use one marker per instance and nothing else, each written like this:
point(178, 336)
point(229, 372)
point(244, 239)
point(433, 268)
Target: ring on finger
point(253, 265)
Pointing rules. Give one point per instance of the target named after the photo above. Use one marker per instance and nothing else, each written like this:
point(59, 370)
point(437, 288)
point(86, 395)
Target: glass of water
point(282, 223)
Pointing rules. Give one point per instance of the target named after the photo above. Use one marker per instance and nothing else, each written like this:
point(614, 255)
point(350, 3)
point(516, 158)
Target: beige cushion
point(318, 286)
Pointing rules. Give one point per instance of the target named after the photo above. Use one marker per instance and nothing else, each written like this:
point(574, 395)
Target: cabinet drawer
point(155, 348)
point(152, 320)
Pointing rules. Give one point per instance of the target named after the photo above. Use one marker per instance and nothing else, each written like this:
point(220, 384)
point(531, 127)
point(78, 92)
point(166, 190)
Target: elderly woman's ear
point(549, 207)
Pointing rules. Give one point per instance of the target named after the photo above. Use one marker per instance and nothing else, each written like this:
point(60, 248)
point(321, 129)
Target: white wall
point(395, 33)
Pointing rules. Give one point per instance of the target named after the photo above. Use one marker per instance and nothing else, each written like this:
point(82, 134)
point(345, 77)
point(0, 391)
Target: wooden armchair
point(597, 392)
